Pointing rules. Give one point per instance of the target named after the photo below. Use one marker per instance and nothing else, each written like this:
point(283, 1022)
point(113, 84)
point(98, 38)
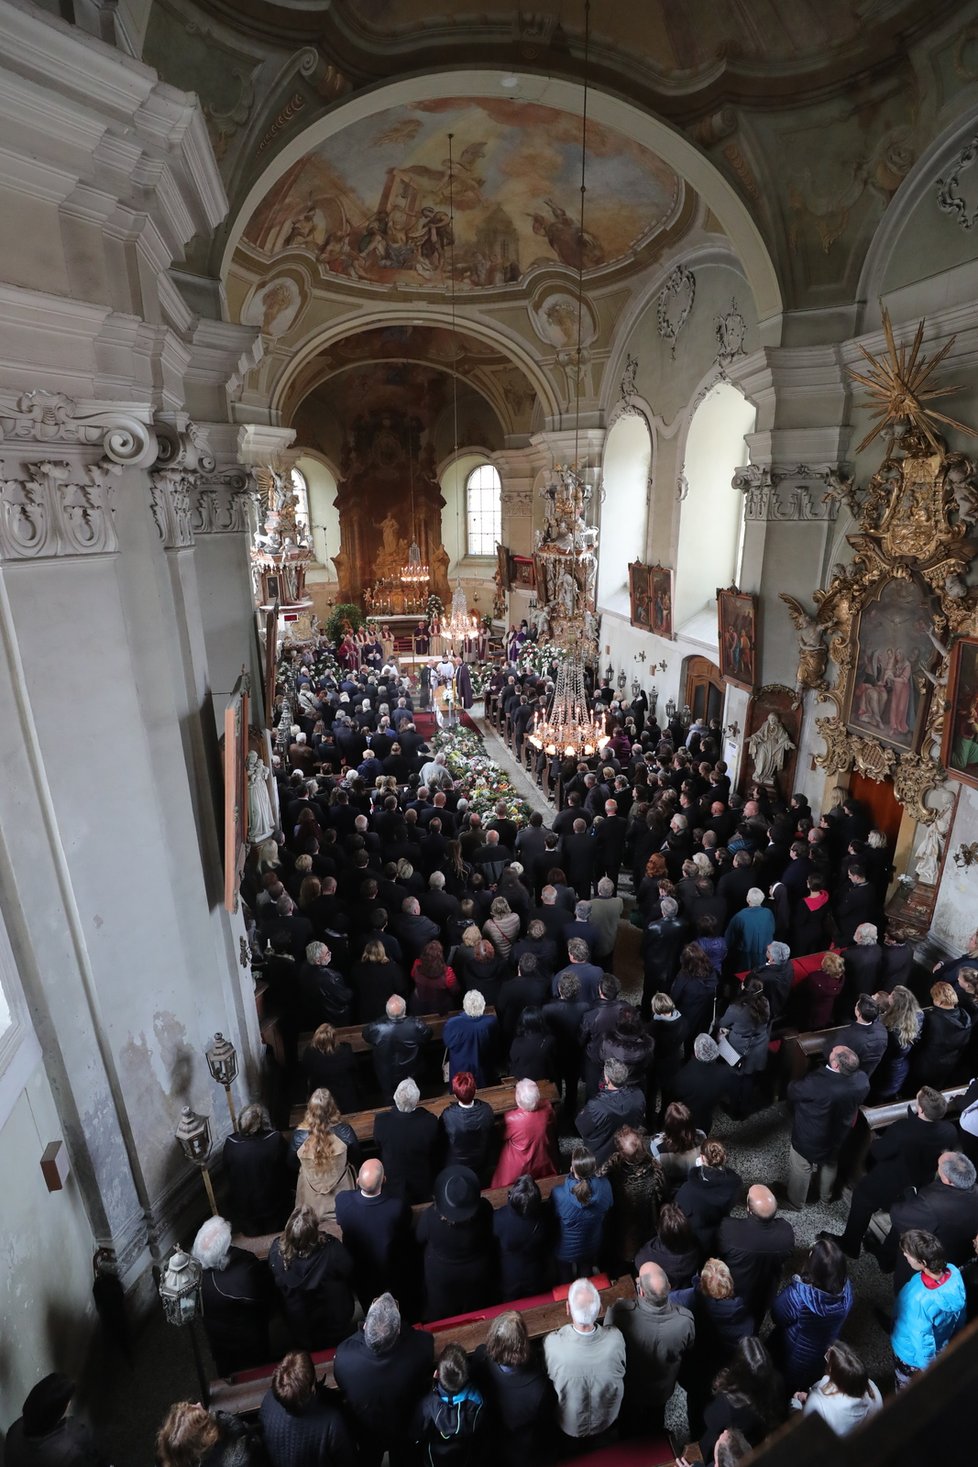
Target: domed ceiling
point(372, 205)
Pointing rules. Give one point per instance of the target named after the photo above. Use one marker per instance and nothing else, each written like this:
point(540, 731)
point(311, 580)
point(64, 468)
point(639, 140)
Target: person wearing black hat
point(459, 1246)
point(45, 1437)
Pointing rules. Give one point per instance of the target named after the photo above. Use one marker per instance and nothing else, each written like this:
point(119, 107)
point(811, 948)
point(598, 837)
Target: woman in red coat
point(527, 1138)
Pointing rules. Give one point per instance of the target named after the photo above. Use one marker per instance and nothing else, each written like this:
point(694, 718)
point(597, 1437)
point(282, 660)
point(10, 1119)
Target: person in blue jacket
point(930, 1308)
point(449, 1420)
point(809, 1314)
point(470, 1038)
point(581, 1203)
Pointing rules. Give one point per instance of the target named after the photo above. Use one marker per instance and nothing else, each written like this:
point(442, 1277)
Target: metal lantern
point(180, 1287)
point(194, 1136)
point(222, 1061)
point(670, 709)
point(609, 673)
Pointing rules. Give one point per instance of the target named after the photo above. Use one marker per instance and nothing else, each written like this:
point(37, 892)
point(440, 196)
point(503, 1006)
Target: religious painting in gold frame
point(892, 650)
point(959, 751)
point(235, 790)
point(737, 636)
point(638, 595)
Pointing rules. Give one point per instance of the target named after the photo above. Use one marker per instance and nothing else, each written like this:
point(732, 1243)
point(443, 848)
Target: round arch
point(407, 314)
point(613, 111)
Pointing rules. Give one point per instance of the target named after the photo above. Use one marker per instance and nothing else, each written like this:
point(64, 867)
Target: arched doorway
point(703, 688)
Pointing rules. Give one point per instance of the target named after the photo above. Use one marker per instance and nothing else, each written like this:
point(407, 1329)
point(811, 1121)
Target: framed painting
point(737, 635)
point(524, 573)
point(640, 611)
point(235, 790)
point(503, 568)
point(660, 601)
point(892, 650)
point(959, 752)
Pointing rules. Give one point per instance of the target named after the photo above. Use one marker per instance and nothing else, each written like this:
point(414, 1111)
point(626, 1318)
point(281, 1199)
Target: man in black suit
point(284, 921)
point(825, 1104)
point(755, 1249)
point(554, 918)
point(867, 1036)
point(597, 1023)
point(529, 989)
point(579, 852)
point(734, 884)
point(864, 961)
point(376, 1227)
point(609, 840)
point(563, 1017)
point(324, 995)
point(407, 1138)
point(398, 1044)
point(412, 930)
point(438, 904)
point(382, 1372)
point(904, 1155)
point(856, 905)
point(662, 942)
point(947, 1207)
point(616, 1104)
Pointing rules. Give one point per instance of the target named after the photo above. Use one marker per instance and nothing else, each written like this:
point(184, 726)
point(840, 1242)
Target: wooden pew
point(244, 1396)
point(500, 1097)
point(261, 1245)
point(799, 1050)
point(873, 1118)
point(352, 1034)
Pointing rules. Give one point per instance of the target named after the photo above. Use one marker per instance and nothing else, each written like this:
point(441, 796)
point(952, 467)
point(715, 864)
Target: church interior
point(717, 261)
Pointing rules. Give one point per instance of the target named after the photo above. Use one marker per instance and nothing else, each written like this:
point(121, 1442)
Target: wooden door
point(885, 810)
point(703, 691)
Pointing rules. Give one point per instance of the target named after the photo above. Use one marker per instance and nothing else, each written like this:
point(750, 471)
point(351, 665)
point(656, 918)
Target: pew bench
point(261, 1245)
point(872, 1118)
point(243, 1393)
point(500, 1097)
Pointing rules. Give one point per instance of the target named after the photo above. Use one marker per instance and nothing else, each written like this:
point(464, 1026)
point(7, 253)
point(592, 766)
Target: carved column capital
point(222, 502)
point(49, 420)
point(54, 508)
point(169, 501)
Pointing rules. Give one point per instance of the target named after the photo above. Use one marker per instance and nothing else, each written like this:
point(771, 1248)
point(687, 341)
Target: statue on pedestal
point(769, 748)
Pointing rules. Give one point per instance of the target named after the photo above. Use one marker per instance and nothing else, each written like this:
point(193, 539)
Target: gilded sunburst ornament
point(898, 391)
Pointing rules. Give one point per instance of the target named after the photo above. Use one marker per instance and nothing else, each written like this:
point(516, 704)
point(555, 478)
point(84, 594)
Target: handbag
point(728, 1054)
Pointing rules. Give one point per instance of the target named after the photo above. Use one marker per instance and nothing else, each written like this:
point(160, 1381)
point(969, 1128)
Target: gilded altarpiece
point(885, 623)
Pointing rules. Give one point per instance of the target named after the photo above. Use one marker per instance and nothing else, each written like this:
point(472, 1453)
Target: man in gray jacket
point(657, 1335)
point(586, 1365)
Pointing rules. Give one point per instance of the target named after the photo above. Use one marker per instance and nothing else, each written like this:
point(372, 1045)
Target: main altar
point(389, 498)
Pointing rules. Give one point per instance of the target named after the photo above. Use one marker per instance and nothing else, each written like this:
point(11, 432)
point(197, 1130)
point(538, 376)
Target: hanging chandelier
point(566, 555)
point(460, 623)
point(568, 727)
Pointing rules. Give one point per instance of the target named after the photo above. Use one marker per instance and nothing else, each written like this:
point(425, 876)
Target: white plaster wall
point(45, 1255)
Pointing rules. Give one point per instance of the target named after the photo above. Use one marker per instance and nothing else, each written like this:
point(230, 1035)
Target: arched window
point(483, 511)
point(300, 488)
point(625, 511)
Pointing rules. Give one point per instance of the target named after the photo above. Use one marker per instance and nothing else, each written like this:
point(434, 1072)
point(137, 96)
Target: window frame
point(496, 517)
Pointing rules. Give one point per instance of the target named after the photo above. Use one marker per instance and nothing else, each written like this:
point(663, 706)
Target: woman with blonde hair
point(328, 1064)
point(191, 1435)
point(943, 1039)
point(819, 992)
point(321, 1147)
point(313, 1273)
point(502, 928)
point(374, 979)
point(903, 1019)
point(722, 1321)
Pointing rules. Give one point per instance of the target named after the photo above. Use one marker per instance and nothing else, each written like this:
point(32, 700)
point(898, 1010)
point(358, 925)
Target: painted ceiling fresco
point(373, 203)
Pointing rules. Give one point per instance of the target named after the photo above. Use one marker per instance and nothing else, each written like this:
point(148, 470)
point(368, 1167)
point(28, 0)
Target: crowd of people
point(384, 900)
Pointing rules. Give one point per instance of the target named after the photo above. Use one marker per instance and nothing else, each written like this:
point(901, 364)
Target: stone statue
point(261, 825)
point(388, 528)
point(768, 748)
point(812, 654)
point(929, 851)
point(568, 593)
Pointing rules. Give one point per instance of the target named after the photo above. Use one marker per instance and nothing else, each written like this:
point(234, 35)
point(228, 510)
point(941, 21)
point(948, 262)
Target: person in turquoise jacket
point(930, 1308)
point(749, 932)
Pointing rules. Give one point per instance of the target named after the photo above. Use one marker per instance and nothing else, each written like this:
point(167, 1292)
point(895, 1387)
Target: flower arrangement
point(482, 781)
point(434, 606)
point(539, 657)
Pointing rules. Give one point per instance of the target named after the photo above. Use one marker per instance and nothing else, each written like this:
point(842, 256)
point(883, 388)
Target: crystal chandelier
point(568, 726)
point(459, 624)
point(415, 573)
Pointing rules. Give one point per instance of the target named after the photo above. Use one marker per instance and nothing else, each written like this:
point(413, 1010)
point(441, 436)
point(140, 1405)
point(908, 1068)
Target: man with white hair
point(436, 774)
point(437, 904)
point(398, 1042)
point(383, 1371)
point(616, 1104)
point(471, 1040)
point(703, 1082)
point(407, 1138)
point(749, 932)
point(776, 975)
point(606, 913)
point(863, 960)
point(236, 1291)
point(586, 1365)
